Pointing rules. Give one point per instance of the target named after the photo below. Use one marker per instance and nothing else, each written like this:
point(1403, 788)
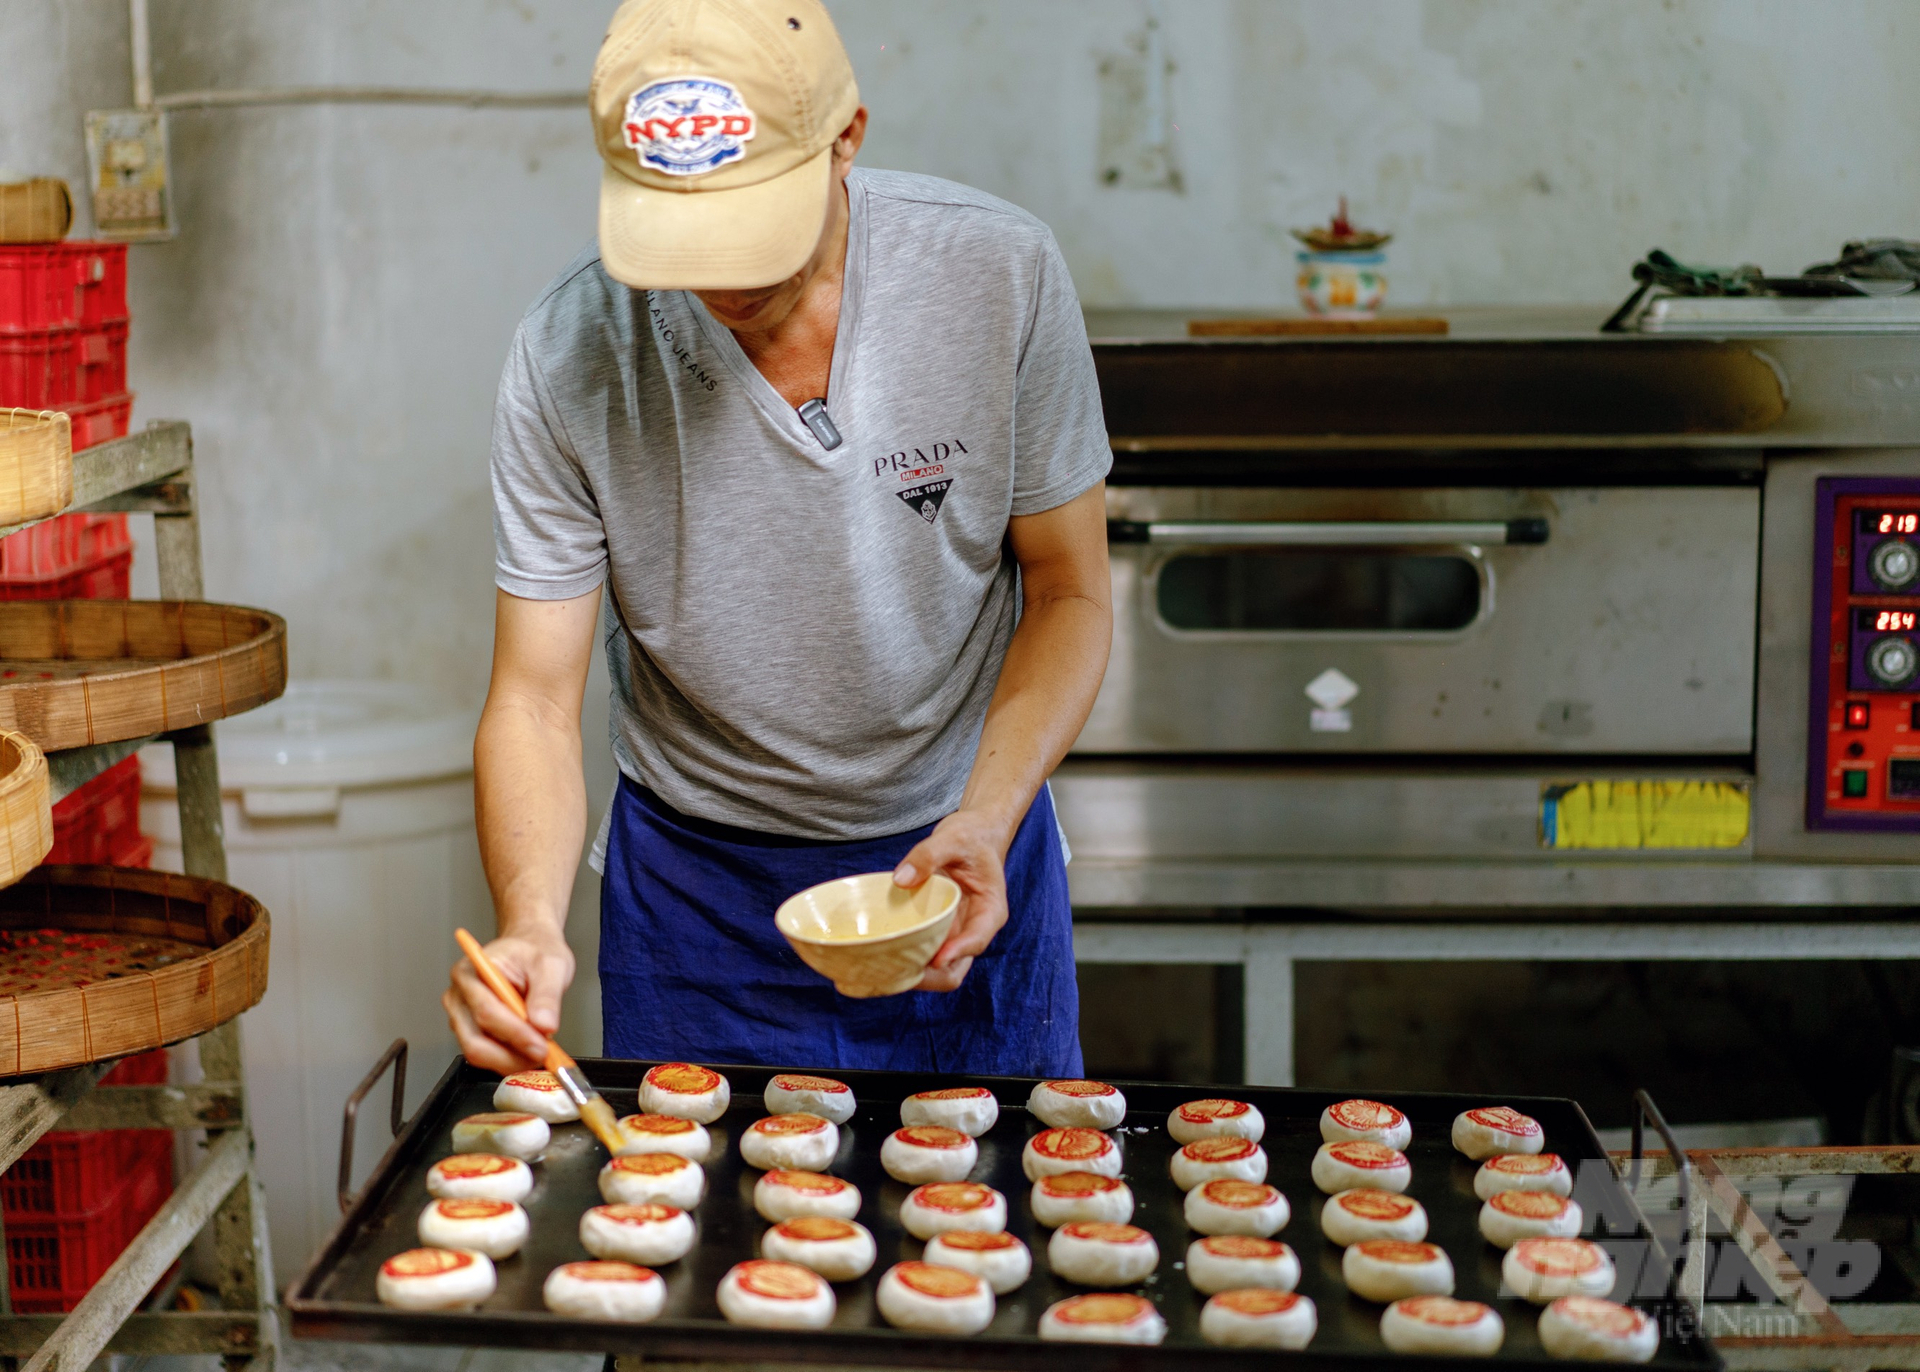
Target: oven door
point(1578, 620)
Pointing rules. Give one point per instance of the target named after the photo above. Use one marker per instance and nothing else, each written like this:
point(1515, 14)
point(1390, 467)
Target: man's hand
point(970, 848)
point(540, 966)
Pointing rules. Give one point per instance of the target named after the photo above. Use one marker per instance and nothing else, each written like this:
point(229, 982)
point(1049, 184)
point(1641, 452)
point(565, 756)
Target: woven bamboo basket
point(77, 672)
point(100, 962)
point(36, 211)
point(36, 464)
point(26, 807)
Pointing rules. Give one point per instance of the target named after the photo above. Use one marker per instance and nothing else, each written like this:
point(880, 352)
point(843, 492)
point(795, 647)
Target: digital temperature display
point(1889, 521)
point(1885, 621)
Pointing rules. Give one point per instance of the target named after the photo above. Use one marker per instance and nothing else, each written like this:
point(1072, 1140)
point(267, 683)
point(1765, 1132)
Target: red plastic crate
point(99, 420)
point(79, 284)
point(37, 370)
point(101, 820)
point(68, 557)
point(100, 362)
point(67, 1168)
point(53, 1262)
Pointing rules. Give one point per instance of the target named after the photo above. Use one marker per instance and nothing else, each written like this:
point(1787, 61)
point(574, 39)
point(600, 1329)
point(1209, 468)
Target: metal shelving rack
point(152, 472)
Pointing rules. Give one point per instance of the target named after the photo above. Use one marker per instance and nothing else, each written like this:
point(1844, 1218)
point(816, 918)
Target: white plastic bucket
point(349, 814)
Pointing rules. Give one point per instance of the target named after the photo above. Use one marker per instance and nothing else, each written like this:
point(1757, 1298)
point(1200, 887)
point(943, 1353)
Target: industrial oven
point(1594, 618)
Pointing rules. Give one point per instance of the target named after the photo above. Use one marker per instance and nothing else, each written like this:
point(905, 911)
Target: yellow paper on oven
point(1618, 815)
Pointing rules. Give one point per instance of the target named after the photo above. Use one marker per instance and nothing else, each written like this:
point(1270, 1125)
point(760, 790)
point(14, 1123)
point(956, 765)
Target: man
point(832, 441)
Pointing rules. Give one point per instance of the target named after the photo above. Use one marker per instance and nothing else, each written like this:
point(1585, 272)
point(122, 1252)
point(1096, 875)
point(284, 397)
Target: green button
point(1853, 784)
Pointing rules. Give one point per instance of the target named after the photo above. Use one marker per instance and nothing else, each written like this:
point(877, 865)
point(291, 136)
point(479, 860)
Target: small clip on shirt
point(814, 415)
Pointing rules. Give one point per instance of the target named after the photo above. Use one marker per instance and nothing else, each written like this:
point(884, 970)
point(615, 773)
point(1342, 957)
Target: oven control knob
point(1895, 564)
point(1893, 661)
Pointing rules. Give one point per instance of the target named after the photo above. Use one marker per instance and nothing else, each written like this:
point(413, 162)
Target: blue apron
point(691, 965)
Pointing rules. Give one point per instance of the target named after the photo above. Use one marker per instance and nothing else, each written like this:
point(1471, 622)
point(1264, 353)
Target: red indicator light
point(1858, 714)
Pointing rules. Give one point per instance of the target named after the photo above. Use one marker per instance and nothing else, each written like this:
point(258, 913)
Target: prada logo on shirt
point(926, 498)
point(926, 471)
point(917, 464)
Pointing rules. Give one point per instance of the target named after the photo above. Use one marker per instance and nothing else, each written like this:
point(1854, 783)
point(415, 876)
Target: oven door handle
point(1328, 533)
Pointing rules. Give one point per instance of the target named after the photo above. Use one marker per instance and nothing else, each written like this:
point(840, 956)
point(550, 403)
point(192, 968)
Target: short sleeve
point(1060, 446)
point(548, 539)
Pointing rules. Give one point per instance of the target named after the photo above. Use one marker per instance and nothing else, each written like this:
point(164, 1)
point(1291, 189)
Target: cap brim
point(732, 240)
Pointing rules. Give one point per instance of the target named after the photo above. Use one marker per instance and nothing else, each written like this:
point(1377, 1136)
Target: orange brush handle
point(557, 1057)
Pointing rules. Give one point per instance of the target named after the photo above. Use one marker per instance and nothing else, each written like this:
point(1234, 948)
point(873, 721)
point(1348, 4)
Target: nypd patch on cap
point(715, 121)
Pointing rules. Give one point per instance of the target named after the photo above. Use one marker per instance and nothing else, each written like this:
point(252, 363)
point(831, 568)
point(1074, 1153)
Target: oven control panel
point(1863, 744)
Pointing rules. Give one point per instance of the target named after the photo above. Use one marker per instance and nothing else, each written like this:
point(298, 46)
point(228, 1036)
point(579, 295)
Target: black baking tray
point(334, 1297)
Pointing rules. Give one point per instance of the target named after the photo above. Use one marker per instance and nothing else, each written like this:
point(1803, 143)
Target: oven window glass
point(1323, 591)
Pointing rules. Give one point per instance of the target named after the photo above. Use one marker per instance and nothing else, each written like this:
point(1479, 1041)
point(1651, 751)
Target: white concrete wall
point(333, 315)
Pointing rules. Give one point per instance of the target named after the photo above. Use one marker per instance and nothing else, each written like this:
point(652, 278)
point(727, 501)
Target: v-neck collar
point(852, 276)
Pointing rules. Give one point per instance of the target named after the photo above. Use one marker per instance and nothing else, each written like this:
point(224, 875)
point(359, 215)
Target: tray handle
point(396, 1056)
point(1646, 1112)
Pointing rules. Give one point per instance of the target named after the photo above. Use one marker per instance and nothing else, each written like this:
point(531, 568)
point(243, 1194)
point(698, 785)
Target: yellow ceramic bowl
point(866, 935)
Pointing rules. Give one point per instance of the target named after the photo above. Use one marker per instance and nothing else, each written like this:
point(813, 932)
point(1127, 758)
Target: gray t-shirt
point(807, 640)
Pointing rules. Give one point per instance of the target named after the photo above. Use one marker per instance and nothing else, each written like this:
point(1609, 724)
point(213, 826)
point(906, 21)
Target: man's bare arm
point(530, 804)
point(1052, 673)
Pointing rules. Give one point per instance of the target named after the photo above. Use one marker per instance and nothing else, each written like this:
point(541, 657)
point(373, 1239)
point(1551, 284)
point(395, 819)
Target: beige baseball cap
point(716, 121)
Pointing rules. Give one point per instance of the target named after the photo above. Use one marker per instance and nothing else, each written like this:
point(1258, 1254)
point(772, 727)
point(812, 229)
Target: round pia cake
point(1365, 1213)
point(1232, 1262)
point(939, 1300)
point(435, 1279)
point(1102, 1254)
point(1360, 1166)
point(970, 1109)
point(536, 1093)
point(510, 1133)
point(479, 1176)
point(604, 1291)
point(839, 1250)
point(790, 1093)
point(1077, 1104)
point(1589, 1329)
point(1543, 1270)
point(787, 1195)
point(1229, 1206)
point(1442, 1325)
point(775, 1295)
point(665, 1134)
point(1522, 1172)
point(1515, 1215)
point(494, 1227)
point(1388, 1270)
point(1259, 1318)
point(1365, 1121)
point(919, 1153)
point(1216, 1119)
point(1103, 1317)
point(1494, 1129)
point(799, 1142)
point(653, 1179)
point(1218, 1159)
point(1068, 1196)
point(1053, 1151)
point(1001, 1260)
point(680, 1088)
point(941, 1207)
point(645, 1235)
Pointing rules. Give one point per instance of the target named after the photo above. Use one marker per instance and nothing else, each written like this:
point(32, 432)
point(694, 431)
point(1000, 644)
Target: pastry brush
point(595, 1113)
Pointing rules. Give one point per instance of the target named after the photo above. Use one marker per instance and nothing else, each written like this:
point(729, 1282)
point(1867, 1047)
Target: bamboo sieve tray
point(100, 962)
point(36, 464)
point(26, 807)
point(79, 672)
